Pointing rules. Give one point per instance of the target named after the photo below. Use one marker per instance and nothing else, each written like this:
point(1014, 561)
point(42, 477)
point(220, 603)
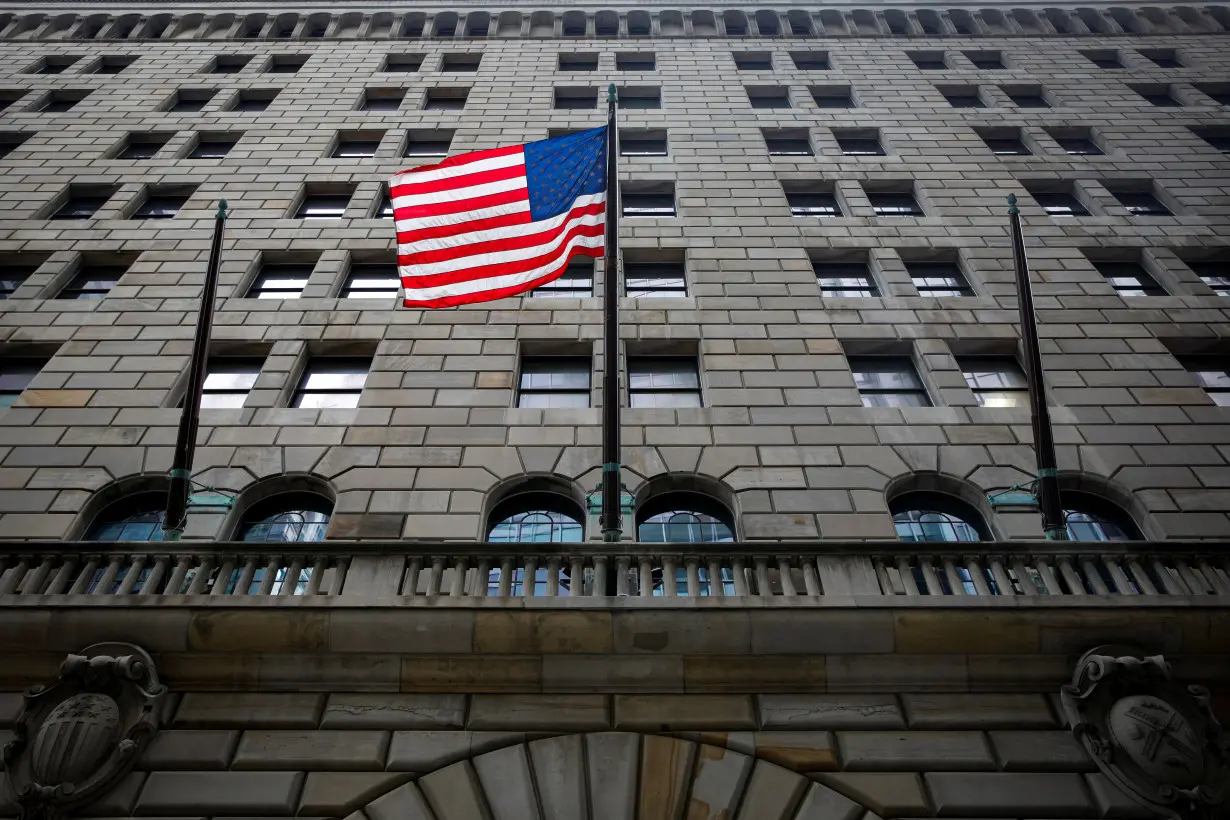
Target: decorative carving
point(1155, 739)
point(76, 738)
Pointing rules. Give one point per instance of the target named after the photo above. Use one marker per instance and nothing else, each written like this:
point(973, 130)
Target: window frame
point(559, 288)
point(862, 365)
point(645, 270)
point(635, 392)
point(87, 273)
point(1217, 389)
point(882, 211)
point(1148, 286)
point(250, 365)
point(362, 271)
point(1004, 367)
point(824, 204)
point(837, 271)
point(342, 365)
point(12, 370)
point(279, 270)
point(314, 201)
point(939, 269)
point(550, 366)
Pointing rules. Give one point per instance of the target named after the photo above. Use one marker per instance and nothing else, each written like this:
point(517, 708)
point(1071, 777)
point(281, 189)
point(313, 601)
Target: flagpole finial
point(611, 96)
point(221, 209)
point(1012, 209)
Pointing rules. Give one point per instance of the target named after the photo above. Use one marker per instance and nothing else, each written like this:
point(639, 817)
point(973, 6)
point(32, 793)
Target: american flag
point(495, 223)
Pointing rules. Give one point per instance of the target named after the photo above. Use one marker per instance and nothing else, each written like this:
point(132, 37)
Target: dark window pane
point(160, 207)
point(894, 204)
point(1060, 204)
point(860, 146)
point(813, 204)
point(1141, 203)
point(212, 149)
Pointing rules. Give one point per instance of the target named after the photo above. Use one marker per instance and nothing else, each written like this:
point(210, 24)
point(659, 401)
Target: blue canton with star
point(559, 170)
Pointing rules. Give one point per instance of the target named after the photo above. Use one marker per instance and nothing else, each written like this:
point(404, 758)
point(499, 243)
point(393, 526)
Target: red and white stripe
point(464, 232)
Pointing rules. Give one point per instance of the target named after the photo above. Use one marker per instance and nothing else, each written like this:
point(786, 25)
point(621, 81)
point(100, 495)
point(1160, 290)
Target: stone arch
point(505, 493)
point(616, 776)
point(711, 490)
point(1116, 494)
point(108, 494)
point(944, 484)
point(266, 488)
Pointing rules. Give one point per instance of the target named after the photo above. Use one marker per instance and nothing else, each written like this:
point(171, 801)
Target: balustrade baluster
point(1048, 577)
point(737, 572)
point(130, 578)
point(63, 576)
point(930, 579)
point(270, 576)
point(576, 576)
point(1095, 577)
point(412, 576)
point(506, 577)
point(907, 576)
point(716, 585)
point(885, 580)
point(1117, 577)
point(1070, 576)
point(87, 574)
point(224, 576)
point(646, 578)
point(12, 577)
point(437, 575)
point(529, 580)
point(668, 577)
point(691, 565)
point(317, 576)
point(1023, 576)
point(1173, 584)
point(34, 581)
point(762, 575)
point(460, 569)
point(623, 571)
point(1001, 578)
point(1143, 581)
point(340, 565)
point(955, 581)
point(182, 565)
point(103, 587)
point(976, 575)
point(1216, 583)
point(154, 581)
point(783, 570)
point(1194, 581)
point(197, 587)
point(290, 581)
point(553, 576)
point(482, 573)
point(245, 578)
point(599, 576)
point(811, 579)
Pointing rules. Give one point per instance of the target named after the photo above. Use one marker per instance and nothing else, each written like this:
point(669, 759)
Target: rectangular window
point(371, 281)
point(13, 276)
point(280, 282)
point(1213, 374)
point(1077, 145)
point(1103, 59)
point(845, 279)
point(1218, 138)
point(323, 206)
point(1060, 204)
point(576, 281)
point(1158, 95)
point(1215, 274)
point(632, 61)
point(578, 62)
point(888, 203)
point(403, 63)
point(813, 203)
point(554, 381)
point(190, 100)
point(888, 381)
point(332, 382)
point(286, 63)
point(768, 97)
point(1141, 203)
point(1026, 97)
point(787, 142)
point(161, 206)
point(642, 279)
point(650, 201)
point(858, 143)
point(230, 63)
point(57, 102)
point(10, 141)
point(811, 60)
point(928, 60)
point(642, 143)
point(15, 376)
point(997, 381)
point(640, 98)
point(213, 146)
point(938, 279)
point(1163, 57)
point(228, 382)
point(576, 98)
point(382, 99)
point(384, 210)
point(1129, 278)
point(753, 61)
point(966, 97)
point(357, 147)
point(83, 204)
point(985, 60)
point(446, 99)
point(663, 381)
point(254, 100)
point(832, 97)
point(428, 143)
point(92, 282)
point(1004, 143)
point(55, 65)
point(142, 146)
point(461, 63)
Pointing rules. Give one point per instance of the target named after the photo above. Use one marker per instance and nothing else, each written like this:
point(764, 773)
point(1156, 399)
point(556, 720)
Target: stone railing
point(461, 572)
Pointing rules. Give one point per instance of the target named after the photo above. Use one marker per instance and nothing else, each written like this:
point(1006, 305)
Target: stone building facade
point(819, 342)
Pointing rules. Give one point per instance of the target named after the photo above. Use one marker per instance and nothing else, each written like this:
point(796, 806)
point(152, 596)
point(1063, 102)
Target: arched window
point(536, 518)
point(136, 517)
point(1092, 518)
point(936, 517)
point(286, 518)
point(684, 518)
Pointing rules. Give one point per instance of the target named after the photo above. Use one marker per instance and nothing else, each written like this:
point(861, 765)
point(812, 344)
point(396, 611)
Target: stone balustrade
point(461, 572)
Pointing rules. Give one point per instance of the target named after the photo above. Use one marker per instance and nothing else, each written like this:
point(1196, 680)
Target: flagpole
point(1047, 487)
point(185, 443)
point(612, 487)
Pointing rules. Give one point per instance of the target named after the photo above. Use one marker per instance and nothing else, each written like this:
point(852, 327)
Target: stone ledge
point(312, 751)
point(393, 711)
point(220, 793)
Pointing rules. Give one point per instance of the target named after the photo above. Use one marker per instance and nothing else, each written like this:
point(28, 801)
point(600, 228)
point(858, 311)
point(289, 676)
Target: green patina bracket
point(593, 501)
point(1018, 495)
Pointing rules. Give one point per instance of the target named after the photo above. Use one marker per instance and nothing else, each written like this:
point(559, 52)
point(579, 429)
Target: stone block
point(896, 672)
point(758, 673)
point(191, 749)
point(800, 751)
point(812, 632)
point(10, 707)
point(822, 803)
point(258, 631)
point(893, 795)
point(402, 631)
point(612, 673)
point(1007, 711)
point(513, 633)
point(566, 713)
point(507, 673)
point(454, 793)
point(158, 630)
point(666, 771)
point(427, 751)
point(506, 772)
point(915, 751)
point(981, 632)
point(559, 772)
point(1001, 794)
point(336, 794)
point(613, 759)
point(688, 633)
point(717, 782)
point(1040, 751)
point(120, 799)
point(1112, 801)
point(830, 712)
point(772, 793)
point(220, 793)
point(403, 803)
point(249, 710)
point(393, 711)
point(661, 713)
point(312, 751)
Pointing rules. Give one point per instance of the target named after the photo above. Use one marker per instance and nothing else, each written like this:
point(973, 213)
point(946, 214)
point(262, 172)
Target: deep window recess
point(813, 203)
point(845, 279)
point(323, 206)
point(997, 381)
point(654, 279)
point(888, 381)
point(663, 381)
point(228, 382)
point(886, 203)
point(1213, 374)
point(92, 282)
point(15, 376)
point(332, 382)
point(280, 282)
point(1129, 278)
point(576, 281)
point(371, 281)
point(554, 381)
point(938, 279)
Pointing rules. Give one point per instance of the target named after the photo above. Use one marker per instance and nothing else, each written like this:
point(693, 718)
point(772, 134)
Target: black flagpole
point(612, 487)
point(1047, 488)
point(185, 444)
